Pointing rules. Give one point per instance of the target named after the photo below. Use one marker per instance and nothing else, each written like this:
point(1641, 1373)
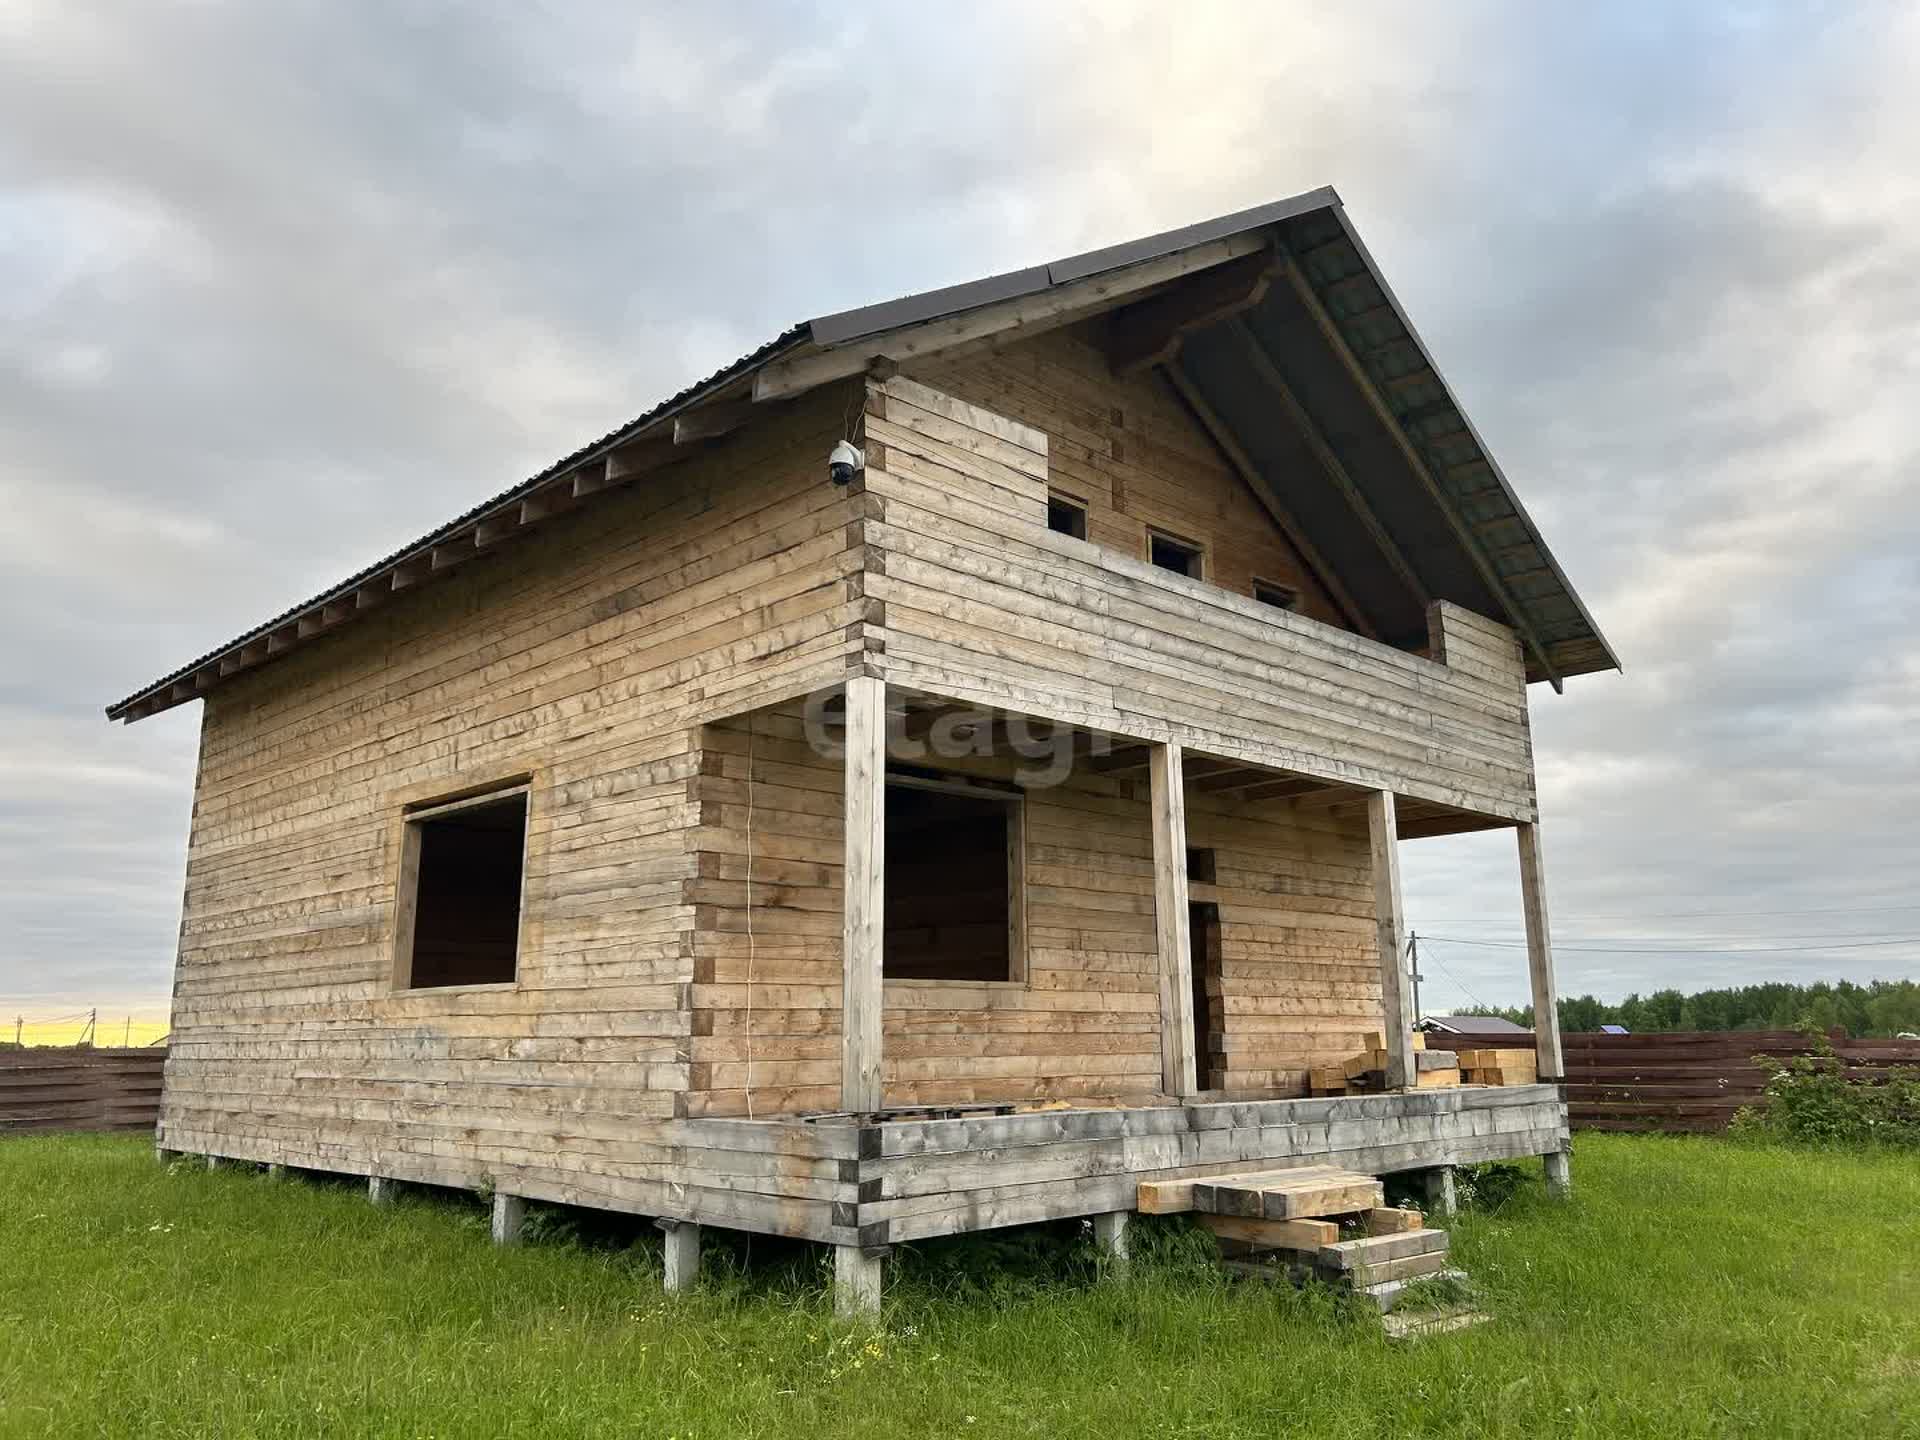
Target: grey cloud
point(282, 287)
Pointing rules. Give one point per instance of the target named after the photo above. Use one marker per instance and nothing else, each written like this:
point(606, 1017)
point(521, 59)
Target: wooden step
point(1420, 1324)
point(1288, 1195)
point(1372, 1249)
point(1175, 1197)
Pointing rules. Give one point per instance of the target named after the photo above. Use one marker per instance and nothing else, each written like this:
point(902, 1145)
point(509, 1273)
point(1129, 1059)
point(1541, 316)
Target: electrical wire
point(1680, 949)
point(1690, 914)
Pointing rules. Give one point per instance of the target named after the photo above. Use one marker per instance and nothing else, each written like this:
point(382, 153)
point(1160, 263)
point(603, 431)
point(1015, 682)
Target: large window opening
point(953, 882)
point(461, 872)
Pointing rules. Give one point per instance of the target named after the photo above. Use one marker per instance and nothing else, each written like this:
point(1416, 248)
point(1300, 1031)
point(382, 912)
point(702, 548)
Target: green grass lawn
point(1693, 1287)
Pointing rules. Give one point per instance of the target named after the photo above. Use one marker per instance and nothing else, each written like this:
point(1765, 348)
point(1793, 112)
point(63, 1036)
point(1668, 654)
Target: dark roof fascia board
point(846, 325)
point(1493, 465)
point(586, 455)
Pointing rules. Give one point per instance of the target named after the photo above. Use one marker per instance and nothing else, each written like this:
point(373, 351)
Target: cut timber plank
point(1419, 1324)
point(1280, 1196)
point(1408, 1267)
point(1175, 1197)
point(1376, 1249)
point(1437, 1079)
point(1393, 1222)
point(1307, 1235)
point(1495, 1059)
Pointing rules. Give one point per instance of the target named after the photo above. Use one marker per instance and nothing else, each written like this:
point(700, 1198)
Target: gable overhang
point(1273, 324)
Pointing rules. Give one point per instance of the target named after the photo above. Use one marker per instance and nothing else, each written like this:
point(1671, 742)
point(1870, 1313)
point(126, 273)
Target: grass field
point(1693, 1287)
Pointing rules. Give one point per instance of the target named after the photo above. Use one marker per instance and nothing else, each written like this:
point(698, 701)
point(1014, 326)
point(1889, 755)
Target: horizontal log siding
point(1299, 982)
point(982, 602)
point(1131, 451)
point(587, 656)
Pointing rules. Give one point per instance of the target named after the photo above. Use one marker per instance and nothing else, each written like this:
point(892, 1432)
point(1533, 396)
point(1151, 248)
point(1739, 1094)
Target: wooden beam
point(1240, 777)
point(637, 457)
point(1179, 1065)
point(1390, 924)
point(704, 422)
point(863, 921)
point(1329, 461)
point(1243, 463)
point(1337, 342)
point(1546, 1007)
point(1021, 317)
point(1152, 331)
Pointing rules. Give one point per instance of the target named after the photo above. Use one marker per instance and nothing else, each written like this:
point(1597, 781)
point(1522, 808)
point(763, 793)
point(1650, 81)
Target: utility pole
point(1413, 964)
point(93, 1020)
point(126, 1038)
point(18, 1024)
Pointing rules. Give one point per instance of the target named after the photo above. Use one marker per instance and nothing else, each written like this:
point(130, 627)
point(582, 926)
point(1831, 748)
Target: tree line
point(1877, 1008)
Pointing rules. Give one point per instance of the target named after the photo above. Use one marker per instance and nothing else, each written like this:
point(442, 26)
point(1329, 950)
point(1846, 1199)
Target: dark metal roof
point(1344, 347)
point(1473, 1025)
point(586, 454)
point(848, 325)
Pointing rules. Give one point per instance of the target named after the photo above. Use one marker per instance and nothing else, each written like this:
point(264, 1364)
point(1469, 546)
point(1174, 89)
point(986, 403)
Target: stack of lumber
point(1499, 1067)
point(1288, 1224)
point(1366, 1073)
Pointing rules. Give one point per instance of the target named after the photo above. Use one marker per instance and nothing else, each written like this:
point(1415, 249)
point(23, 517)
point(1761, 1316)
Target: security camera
point(845, 461)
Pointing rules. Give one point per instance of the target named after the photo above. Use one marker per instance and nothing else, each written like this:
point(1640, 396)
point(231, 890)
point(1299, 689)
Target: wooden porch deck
point(900, 1179)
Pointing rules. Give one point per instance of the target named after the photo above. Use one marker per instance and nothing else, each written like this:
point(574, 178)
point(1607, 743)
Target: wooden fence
point(42, 1088)
point(1690, 1080)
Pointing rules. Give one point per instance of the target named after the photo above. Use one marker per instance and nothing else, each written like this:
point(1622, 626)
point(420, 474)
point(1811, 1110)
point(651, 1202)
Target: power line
point(1682, 949)
point(1689, 914)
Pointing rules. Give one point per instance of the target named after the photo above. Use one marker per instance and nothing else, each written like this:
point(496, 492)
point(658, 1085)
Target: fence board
point(1688, 1081)
point(45, 1089)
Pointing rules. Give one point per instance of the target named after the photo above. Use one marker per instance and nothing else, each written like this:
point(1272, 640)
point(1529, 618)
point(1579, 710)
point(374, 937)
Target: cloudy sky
point(284, 286)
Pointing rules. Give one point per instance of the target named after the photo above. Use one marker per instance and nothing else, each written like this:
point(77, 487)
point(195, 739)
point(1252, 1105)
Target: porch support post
point(1110, 1235)
point(1390, 920)
point(1550, 1063)
point(863, 929)
point(856, 1281)
point(1441, 1198)
point(682, 1266)
point(381, 1190)
point(509, 1216)
point(1179, 1070)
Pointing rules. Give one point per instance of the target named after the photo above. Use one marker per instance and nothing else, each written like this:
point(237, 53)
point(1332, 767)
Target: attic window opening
point(1281, 597)
point(953, 882)
point(1066, 515)
point(462, 869)
point(1183, 557)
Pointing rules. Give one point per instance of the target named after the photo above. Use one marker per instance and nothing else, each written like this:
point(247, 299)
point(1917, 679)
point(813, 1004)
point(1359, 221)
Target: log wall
point(1299, 980)
point(585, 659)
point(1132, 452)
point(980, 602)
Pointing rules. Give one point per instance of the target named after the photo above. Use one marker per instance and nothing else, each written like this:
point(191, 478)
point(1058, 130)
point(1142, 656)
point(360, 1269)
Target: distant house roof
point(1316, 373)
point(1615, 1030)
point(1472, 1025)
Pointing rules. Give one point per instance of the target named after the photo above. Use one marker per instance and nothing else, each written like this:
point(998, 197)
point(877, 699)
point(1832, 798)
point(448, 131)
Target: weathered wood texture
point(978, 601)
point(42, 1088)
point(940, 1177)
point(585, 658)
point(1299, 980)
point(1130, 451)
point(608, 661)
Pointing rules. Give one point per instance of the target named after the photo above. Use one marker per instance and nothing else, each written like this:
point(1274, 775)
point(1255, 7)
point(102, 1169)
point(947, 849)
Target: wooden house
point(933, 774)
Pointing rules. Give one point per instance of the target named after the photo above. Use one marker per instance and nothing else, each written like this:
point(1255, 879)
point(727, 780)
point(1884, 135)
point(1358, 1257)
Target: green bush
point(1811, 1101)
